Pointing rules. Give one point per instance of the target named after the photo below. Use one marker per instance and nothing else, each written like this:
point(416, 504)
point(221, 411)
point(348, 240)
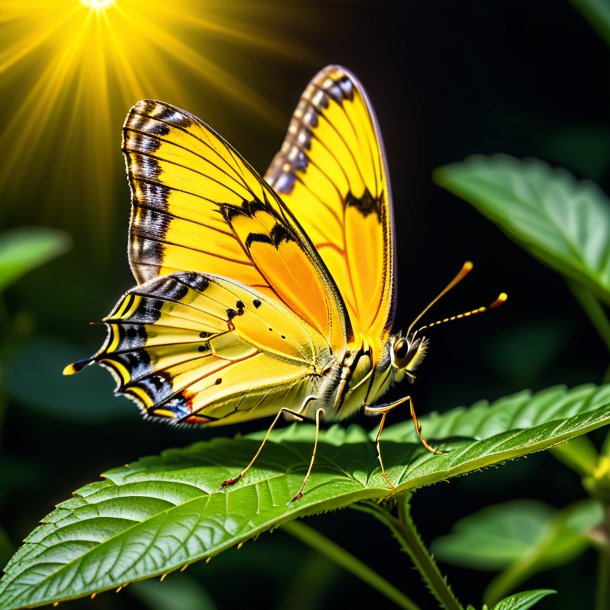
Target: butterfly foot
point(297, 497)
point(230, 482)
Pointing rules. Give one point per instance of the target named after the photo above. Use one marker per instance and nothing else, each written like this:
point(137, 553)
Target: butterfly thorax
point(362, 375)
point(357, 377)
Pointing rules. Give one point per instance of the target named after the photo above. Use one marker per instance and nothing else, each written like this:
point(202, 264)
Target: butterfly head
point(408, 350)
point(407, 353)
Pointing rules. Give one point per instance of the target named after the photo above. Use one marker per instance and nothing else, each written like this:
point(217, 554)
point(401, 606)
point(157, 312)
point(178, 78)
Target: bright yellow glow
point(68, 76)
point(98, 4)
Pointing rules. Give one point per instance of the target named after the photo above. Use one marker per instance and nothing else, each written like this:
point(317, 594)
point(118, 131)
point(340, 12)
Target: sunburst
point(72, 68)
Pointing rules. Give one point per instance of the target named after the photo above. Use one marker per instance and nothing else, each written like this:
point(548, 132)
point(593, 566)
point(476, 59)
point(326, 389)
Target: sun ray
point(74, 68)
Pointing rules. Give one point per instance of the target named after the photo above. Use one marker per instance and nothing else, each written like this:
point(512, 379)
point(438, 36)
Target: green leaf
point(564, 223)
point(523, 600)
point(563, 538)
point(500, 535)
point(597, 13)
point(161, 513)
point(26, 248)
point(494, 537)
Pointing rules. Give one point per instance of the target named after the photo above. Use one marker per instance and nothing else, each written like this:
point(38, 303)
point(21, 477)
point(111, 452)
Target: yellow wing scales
point(331, 173)
point(198, 348)
point(250, 300)
point(198, 206)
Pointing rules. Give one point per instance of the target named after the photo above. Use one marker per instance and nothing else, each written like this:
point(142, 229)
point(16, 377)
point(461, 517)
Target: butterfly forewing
point(331, 173)
point(198, 206)
point(197, 348)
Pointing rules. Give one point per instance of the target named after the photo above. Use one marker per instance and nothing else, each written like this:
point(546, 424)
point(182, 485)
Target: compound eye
point(404, 352)
point(401, 349)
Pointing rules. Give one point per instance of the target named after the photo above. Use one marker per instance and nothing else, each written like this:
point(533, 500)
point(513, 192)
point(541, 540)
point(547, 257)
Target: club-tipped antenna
point(464, 271)
point(499, 301)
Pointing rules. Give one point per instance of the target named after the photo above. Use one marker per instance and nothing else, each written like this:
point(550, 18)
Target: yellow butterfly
point(261, 297)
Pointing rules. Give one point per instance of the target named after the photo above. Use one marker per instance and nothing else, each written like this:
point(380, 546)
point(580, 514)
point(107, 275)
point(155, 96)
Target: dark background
point(447, 79)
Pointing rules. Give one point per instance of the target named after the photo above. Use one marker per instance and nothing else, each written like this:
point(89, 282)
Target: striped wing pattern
point(198, 206)
point(247, 301)
point(331, 173)
point(202, 349)
point(188, 343)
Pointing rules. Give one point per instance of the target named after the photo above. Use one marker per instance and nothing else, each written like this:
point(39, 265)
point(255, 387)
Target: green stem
point(407, 535)
point(347, 561)
point(602, 601)
point(594, 310)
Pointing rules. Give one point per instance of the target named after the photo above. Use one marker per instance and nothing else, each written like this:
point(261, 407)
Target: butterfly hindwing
point(197, 205)
point(331, 173)
point(197, 348)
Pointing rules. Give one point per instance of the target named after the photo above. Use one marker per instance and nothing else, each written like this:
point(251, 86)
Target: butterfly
point(262, 297)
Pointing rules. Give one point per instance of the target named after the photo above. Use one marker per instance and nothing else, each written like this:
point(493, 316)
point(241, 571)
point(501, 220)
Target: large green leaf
point(161, 513)
point(564, 223)
point(26, 248)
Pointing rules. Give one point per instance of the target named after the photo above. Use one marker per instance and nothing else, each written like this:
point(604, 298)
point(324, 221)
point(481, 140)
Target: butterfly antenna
point(464, 271)
point(499, 301)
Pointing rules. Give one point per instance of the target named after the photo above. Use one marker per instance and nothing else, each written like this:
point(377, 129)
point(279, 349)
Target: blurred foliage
point(184, 594)
point(447, 79)
point(521, 538)
point(83, 399)
point(24, 249)
point(563, 223)
point(597, 12)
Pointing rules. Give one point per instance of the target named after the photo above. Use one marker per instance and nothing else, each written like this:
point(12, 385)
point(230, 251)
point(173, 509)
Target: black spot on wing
point(246, 208)
point(280, 233)
point(276, 236)
point(260, 238)
point(367, 204)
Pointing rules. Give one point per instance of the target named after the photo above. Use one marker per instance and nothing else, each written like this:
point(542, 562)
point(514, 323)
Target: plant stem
point(407, 535)
point(346, 560)
point(594, 310)
point(602, 597)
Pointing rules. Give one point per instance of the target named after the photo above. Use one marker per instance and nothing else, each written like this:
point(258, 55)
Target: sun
point(98, 4)
point(71, 69)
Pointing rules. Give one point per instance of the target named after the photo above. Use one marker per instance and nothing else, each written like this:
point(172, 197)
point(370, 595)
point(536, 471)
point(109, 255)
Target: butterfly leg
point(424, 442)
point(281, 412)
point(299, 493)
point(383, 410)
